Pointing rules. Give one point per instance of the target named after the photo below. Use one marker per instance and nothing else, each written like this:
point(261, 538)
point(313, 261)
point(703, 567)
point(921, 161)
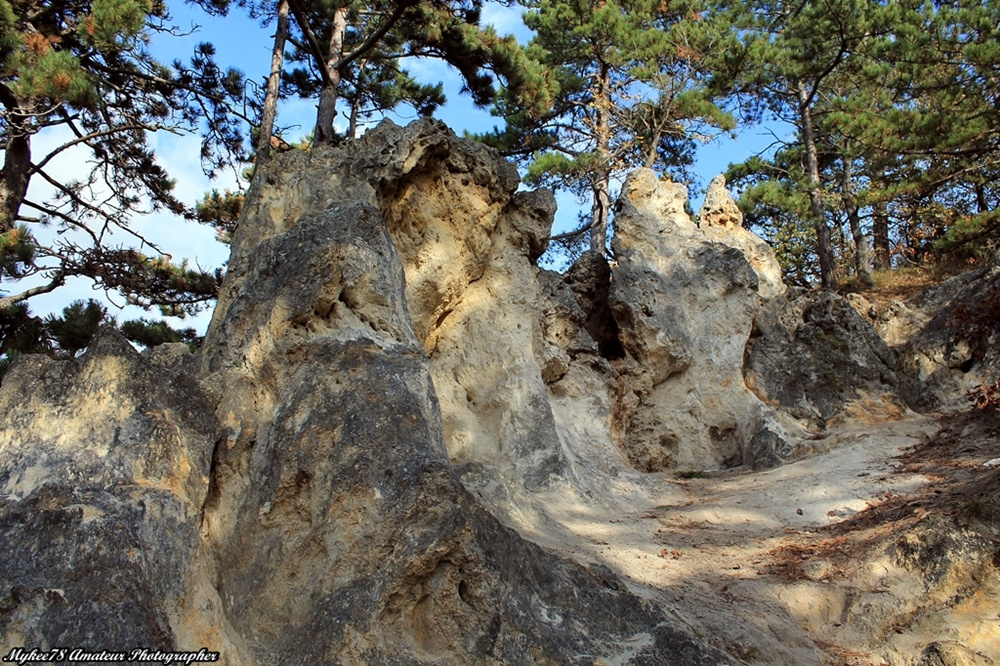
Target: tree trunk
point(352, 127)
point(328, 95)
point(862, 252)
point(981, 202)
point(270, 111)
point(824, 246)
point(14, 179)
point(17, 161)
point(602, 175)
point(880, 232)
point(602, 204)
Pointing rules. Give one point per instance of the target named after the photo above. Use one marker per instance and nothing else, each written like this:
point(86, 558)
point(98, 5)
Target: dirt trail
point(749, 560)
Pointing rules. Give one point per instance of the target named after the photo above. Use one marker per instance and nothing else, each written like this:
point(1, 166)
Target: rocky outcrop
point(946, 339)
point(395, 406)
point(721, 221)
point(684, 303)
point(104, 474)
point(333, 498)
point(287, 495)
point(838, 357)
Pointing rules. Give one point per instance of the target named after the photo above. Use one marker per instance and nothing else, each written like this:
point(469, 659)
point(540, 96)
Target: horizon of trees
point(892, 158)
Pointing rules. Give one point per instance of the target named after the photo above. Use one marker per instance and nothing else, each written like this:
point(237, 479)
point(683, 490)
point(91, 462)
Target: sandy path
point(708, 547)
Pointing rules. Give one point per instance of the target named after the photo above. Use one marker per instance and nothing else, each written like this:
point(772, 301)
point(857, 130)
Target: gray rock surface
point(951, 343)
point(684, 301)
point(287, 496)
point(812, 354)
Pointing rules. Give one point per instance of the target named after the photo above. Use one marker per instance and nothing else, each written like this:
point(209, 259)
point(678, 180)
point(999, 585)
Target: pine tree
point(352, 50)
point(82, 68)
point(899, 129)
point(787, 59)
point(629, 95)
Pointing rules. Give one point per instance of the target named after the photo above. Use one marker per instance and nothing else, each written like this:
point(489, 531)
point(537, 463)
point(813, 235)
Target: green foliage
point(64, 336)
point(50, 75)
point(74, 330)
point(618, 85)
point(221, 211)
point(17, 252)
point(21, 333)
point(114, 24)
point(79, 77)
point(352, 53)
point(970, 239)
point(899, 98)
point(152, 333)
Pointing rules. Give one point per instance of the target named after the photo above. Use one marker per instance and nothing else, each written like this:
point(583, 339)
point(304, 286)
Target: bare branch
point(75, 197)
point(62, 216)
point(57, 281)
point(91, 136)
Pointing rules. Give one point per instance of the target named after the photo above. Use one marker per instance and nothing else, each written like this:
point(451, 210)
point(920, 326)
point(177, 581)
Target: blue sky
point(243, 43)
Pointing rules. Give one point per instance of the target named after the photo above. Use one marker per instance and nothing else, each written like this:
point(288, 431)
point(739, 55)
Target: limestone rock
point(287, 495)
point(684, 304)
point(104, 473)
point(838, 357)
point(719, 209)
point(952, 345)
point(722, 221)
point(951, 653)
point(334, 499)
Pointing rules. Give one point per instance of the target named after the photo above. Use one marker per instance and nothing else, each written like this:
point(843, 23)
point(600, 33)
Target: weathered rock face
point(334, 511)
point(721, 220)
point(104, 476)
point(389, 389)
point(287, 495)
point(946, 341)
point(684, 305)
point(837, 355)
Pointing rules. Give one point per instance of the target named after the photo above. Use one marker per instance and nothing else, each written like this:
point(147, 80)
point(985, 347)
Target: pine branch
point(95, 135)
point(57, 281)
point(373, 38)
point(62, 216)
point(317, 51)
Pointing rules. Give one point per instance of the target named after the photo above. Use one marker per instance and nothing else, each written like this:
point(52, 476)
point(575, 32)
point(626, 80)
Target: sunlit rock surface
point(394, 411)
point(287, 495)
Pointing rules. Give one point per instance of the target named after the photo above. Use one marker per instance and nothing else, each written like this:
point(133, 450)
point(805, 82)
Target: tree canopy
point(895, 130)
point(630, 93)
point(79, 76)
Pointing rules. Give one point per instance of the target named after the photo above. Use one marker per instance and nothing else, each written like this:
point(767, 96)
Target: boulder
point(838, 357)
point(952, 347)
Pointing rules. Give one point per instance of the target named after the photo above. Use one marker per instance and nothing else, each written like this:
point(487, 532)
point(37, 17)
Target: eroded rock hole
point(463, 592)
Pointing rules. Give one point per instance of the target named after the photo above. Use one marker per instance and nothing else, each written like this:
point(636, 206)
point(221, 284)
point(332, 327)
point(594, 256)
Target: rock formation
point(944, 338)
point(685, 300)
point(287, 496)
point(391, 406)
